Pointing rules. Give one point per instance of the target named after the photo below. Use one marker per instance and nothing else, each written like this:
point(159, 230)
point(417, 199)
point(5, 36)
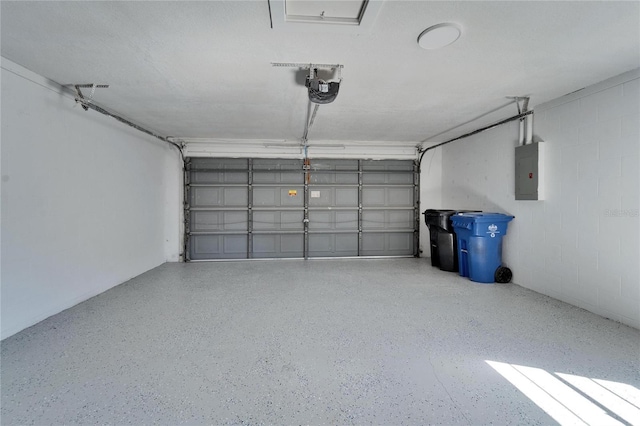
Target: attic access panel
point(330, 11)
point(266, 208)
point(351, 16)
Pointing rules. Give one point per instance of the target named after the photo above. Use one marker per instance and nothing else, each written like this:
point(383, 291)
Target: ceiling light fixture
point(439, 35)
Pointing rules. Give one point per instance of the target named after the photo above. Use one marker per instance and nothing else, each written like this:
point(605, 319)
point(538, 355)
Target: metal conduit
point(87, 104)
point(475, 132)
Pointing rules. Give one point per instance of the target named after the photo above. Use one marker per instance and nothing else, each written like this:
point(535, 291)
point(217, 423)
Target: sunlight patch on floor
point(575, 400)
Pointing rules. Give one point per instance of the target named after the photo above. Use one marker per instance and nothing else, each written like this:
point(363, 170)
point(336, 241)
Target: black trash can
point(444, 248)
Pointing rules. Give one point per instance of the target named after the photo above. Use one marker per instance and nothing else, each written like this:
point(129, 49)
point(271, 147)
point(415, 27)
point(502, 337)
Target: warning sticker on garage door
point(293, 192)
point(315, 194)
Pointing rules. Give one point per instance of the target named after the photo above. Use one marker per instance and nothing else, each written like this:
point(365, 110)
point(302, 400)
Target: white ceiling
point(203, 69)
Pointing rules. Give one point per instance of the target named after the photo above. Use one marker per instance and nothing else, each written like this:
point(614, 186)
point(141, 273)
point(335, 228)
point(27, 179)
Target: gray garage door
point(265, 208)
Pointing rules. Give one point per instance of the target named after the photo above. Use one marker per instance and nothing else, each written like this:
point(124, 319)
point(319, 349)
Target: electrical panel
point(530, 171)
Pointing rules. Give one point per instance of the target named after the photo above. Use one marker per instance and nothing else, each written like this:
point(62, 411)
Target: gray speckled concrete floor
point(292, 342)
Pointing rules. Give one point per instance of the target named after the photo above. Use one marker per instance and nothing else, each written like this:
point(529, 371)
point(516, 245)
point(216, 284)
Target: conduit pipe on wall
point(526, 124)
point(87, 104)
point(475, 132)
point(529, 129)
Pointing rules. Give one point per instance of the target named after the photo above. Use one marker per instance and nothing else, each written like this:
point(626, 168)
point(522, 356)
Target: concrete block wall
point(581, 244)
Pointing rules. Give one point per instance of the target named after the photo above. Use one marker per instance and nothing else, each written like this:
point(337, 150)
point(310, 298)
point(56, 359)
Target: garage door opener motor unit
point(321, 91)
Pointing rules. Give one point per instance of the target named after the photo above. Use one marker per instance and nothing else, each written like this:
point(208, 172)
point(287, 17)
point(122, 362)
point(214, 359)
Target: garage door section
point(265, 208)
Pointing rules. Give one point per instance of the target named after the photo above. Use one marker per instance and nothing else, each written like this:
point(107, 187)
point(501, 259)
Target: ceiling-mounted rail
point(306, 65)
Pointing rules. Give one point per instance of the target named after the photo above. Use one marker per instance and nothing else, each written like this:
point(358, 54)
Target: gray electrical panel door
point(266, 208)
point(530, 172)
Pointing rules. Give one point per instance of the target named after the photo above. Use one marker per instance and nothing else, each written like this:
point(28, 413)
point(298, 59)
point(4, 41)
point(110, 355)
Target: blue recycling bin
point(480, 244)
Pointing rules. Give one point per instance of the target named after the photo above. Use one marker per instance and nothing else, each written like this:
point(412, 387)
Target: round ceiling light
point(438, 36)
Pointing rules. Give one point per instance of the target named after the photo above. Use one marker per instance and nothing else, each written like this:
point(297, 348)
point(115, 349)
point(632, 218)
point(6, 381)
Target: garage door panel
point(201, 163)
point(276, 220)
point(334, 172)
point(321, 220)
point(278, 177)
point(387, 244)
point(388, 219)
point(274, 245)
point(399, 197)
point(218, 247)
point(262, 164)
point(388, 196)
point(333, 178)
point(346, 197)
point(256, 208)
point(373, 219)
point(265, 244)
point(219, 197)
point(333, 197)
point(373, 178)
point(333, 245)
point(346, 220)
point(328, 220)
point(388, 165)
point(387, 172)
point(207, 197)
point(400, 179)
point(400, 242)
point(220, 178)
point(211, 221)
point(333, 164)
point(400, 219)
point(278, 196)
point(210, 171)
point(265, 196)
point(373, 197)
point(373, 244)
point(321, 197)
point(346, 244)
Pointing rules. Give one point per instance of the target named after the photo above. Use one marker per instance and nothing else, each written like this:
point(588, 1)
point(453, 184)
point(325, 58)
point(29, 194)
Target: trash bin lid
point(483, 217)
point(442, 217)
point(439, 218)
point(482, 224)
point(438, 212)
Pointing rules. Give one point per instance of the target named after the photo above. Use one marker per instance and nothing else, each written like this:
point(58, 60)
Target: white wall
point(580, 245)
point(87, 202)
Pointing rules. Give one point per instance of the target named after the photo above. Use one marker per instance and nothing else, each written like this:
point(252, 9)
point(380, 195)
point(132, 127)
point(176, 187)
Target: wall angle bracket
point(80, 97)
point(525, 103)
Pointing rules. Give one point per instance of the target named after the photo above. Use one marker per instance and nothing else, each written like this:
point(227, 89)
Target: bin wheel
point(503, 275)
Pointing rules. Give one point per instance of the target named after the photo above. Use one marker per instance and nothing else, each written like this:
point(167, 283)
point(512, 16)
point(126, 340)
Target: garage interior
point(212, 212)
